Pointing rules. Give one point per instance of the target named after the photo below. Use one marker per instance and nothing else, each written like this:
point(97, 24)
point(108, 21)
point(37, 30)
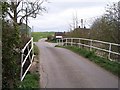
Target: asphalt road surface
point(61, 68)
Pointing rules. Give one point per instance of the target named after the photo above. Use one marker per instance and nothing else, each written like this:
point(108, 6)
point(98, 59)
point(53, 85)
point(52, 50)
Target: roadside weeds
point(112, 66)
point(31, 80)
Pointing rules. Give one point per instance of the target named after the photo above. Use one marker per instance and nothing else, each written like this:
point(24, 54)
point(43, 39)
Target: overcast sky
point(60, 14)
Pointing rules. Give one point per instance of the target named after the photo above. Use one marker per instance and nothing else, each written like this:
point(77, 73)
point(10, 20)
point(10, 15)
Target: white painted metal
point(22, 75)
point(71, 41)
point(109, 51)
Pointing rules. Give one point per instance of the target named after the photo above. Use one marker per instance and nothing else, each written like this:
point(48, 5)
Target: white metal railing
point(91, 45)
point(26, 58)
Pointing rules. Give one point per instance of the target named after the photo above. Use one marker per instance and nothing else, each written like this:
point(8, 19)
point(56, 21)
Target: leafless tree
point(18, 10)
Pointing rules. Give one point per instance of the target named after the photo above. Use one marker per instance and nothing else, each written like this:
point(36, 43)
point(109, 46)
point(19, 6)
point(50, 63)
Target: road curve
point(61, 68)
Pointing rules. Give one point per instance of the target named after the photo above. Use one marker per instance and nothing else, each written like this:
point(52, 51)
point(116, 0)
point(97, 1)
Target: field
point(38, 35)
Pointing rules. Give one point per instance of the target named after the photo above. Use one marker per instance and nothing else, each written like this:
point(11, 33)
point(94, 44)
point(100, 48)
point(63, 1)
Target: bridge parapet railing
point(27, 57)
point(101, 48)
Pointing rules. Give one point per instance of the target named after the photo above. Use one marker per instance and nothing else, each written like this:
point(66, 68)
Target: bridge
point(61, 68)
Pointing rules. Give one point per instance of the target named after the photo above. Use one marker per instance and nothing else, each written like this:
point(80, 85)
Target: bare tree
point(18, 10)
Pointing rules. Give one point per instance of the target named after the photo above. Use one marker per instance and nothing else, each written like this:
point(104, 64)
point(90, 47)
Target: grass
point(30, 81)
point(36, 50)
point(52, 41)
point(111, 66)
point(38, 35)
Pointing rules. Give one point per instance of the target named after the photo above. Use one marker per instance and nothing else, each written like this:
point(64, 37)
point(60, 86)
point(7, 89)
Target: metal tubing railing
point(24, 59)
point(70, 41)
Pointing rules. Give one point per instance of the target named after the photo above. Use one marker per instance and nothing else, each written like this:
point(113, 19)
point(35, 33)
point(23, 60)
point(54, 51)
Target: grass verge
point(30, 81)
point(111, 66)
point(36, 51)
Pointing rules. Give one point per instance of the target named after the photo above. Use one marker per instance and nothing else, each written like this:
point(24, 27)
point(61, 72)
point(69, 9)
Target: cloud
point(60, 14)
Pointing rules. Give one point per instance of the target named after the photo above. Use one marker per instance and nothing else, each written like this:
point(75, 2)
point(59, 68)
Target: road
point(61, 68)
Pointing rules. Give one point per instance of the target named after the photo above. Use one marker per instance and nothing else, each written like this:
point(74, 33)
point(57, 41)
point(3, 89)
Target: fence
point(101, 48)
point(26, 58)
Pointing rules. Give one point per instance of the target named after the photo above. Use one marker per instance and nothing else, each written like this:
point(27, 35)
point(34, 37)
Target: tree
point(20, 9)
point(107, 28)
point(113, 19)
point(10, 56)
point(100, 30)
point(17, 12)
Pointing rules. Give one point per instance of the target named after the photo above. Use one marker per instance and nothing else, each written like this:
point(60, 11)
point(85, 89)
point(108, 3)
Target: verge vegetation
point(31, 80)
point(15, 35)
point(111, 66)
point(36, 51)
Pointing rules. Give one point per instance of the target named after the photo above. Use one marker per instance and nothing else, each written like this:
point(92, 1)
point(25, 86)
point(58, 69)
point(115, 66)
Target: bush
point(36, 50)
point(10, 56)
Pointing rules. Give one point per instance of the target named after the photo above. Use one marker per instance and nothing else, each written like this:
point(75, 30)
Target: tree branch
point(10, 15)
point(21, 11)
point(18, 3)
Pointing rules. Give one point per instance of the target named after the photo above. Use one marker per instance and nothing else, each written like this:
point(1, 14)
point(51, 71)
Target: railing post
point(109, 52)
point(59, 41)
point(66, 42)
point(21, 72)
point(79, 43)
point(32, 46)
point(71, 41)
point(91, 45)
point(62, 41)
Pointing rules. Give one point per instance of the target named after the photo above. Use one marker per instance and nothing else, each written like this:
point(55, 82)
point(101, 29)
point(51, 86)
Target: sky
point(60, 13)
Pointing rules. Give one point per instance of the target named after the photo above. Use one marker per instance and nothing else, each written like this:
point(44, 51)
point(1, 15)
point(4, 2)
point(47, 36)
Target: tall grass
point(36, 50)
point(30, 81)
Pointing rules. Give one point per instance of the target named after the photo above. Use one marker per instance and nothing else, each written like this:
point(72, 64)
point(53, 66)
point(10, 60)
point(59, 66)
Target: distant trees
point(105, 28)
